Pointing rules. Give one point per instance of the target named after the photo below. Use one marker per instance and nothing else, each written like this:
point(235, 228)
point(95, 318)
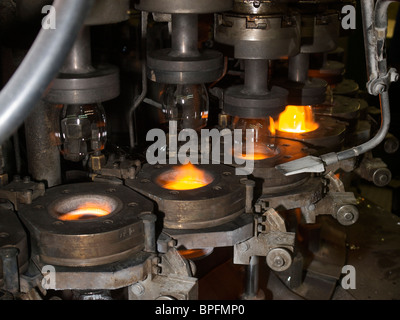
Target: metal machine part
point(217, 203)
point(329, 136)
point(184, 63)
point(79, 82)
point(67, 214)
point(14, 254)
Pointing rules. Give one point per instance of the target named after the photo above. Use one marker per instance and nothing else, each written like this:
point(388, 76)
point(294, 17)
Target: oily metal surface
point(89, 242)
point(217, 203)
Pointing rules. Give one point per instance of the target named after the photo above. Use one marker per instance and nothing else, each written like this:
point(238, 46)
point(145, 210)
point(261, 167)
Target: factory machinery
point(99, 101)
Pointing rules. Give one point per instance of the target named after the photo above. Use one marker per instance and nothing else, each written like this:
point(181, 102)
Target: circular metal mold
point(309, 93)
point(259, 37)
point(332, 72)
point(344, 108)
point(215, 204)
point(347, 87)
point(184, 6)
point(269, 179)
point(64, 207)
point(91, 242)
point(165, 68)
point(328, 137)
point(100, 85)
point(238, 103)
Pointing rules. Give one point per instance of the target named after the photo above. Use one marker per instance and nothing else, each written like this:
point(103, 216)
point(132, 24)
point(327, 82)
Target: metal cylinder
point(42, 150)
point(298, 67)
point(184, 35)
point(256, 76)
point(9, 256)
point(252, 277)
point(79, 59)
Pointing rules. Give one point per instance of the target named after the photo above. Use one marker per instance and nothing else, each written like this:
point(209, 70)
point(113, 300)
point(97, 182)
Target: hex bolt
point(138, 289)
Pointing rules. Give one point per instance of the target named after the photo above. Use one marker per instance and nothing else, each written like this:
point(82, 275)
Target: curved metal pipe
point(41, 65)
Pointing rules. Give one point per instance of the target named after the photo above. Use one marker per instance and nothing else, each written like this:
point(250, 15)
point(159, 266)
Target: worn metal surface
point(259, 36)
point(217, 203)
point(96, 241)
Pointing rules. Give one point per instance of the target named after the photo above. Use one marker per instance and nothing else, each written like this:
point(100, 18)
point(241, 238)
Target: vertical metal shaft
point(184, 35)
point(298, 67)
point(10, 269)
point(79, 59)
point(42, 150)
point(252, 278)
point(256, 76)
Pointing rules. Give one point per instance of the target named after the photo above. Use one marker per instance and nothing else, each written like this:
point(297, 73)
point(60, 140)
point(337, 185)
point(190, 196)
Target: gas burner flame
point(86, 211)
point(184, 177)
point(297, 119)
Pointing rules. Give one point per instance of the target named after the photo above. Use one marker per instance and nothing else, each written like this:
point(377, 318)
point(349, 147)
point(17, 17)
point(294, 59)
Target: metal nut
point(279, 259)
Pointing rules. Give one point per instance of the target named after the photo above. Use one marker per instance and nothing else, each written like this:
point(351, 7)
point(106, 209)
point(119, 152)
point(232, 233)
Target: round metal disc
point(184, 6)
point(329, 135)
point(97, 86)
point(87, 242)
point(238, 103)
point(164, 68)
point(302, 94)
point(217, 203)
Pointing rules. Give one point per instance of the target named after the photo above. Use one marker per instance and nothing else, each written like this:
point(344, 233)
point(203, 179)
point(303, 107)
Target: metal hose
point(41, 65)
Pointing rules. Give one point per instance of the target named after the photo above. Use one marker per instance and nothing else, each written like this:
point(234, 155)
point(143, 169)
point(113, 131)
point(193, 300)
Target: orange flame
point(87, 211)
point(185, 177)
point(297, 119)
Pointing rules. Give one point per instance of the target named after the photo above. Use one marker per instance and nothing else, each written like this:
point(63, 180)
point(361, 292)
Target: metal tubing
point(256, 76)
point(378, 138)
point(367, 9)
point(184, 35)
point(298, 67)
point(41, 65)
point(9, 256)
point(42, 150)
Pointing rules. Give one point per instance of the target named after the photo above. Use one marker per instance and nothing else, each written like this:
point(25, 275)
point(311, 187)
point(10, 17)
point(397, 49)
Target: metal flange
point(88, 242)
point(162, 67)
point(311, 92)
point(100, 85)
point(259, 37)
point(217, 203)
point(239, 103)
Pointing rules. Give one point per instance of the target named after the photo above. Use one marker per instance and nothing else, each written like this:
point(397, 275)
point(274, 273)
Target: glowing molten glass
point(87, 211)
point(185, 177)
point(195, 253)
point(297, 119)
